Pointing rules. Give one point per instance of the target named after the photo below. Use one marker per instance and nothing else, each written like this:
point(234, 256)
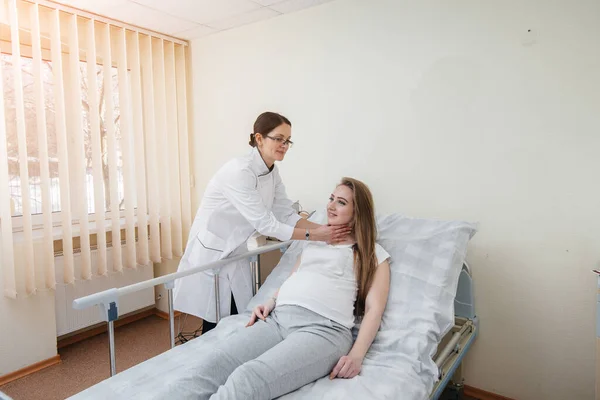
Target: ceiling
point(190, 19)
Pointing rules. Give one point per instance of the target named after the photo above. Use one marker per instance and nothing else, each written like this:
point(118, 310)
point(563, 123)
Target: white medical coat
point(242, 198)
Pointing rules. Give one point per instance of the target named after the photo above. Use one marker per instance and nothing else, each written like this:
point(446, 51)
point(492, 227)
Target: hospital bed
point(426, 331)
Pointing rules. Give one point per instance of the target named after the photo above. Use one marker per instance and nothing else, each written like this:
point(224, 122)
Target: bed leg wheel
point(457, 389)
point(453, 391)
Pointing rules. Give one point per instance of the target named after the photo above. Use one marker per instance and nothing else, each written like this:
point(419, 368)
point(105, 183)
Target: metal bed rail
point(108, 300)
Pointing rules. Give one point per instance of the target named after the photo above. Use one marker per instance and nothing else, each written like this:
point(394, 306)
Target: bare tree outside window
point(32, 136)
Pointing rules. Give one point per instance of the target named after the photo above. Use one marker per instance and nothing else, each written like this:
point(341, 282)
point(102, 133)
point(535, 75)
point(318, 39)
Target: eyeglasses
point(282, 141)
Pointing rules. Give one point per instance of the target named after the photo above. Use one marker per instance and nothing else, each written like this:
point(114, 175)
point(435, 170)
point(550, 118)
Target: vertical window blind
point(93, 145)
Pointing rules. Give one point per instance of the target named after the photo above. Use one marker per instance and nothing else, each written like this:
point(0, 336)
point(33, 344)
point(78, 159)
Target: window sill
point(57, 231)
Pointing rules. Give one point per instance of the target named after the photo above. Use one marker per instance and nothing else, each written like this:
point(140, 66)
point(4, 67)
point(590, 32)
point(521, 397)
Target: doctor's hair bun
point(265, 123)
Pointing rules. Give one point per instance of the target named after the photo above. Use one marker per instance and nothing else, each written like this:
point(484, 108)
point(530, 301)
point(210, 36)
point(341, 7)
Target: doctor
point(245, 196)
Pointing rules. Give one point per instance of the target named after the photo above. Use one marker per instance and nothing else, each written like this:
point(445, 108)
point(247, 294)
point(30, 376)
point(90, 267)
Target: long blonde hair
point(365, 233)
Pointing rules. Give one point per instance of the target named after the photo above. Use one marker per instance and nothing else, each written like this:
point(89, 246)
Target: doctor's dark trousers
point(207, 326)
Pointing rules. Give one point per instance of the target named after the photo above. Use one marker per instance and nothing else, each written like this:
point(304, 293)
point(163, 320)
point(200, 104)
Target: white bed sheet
point(171, 375)
point(426, 258)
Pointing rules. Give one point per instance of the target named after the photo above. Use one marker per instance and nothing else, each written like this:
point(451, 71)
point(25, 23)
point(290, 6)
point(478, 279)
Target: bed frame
point(451, 349)
point(455, 345)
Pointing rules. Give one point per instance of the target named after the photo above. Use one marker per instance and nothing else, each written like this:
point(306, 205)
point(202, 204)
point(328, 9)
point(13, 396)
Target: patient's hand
point(348, 367)
point(261, 311)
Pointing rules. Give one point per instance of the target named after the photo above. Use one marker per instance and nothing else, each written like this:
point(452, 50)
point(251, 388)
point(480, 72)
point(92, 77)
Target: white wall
point(445, 112)
point(27, 324)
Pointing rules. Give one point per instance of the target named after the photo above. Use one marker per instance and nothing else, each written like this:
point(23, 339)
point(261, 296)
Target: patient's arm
point(349, 366)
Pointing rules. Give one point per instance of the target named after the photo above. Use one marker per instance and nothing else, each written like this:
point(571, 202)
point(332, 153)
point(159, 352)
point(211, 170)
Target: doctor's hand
point(331, 234)
point(261, 312)
point(348, 367)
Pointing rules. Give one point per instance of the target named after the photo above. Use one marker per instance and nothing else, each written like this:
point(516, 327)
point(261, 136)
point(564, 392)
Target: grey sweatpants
point(293, 347)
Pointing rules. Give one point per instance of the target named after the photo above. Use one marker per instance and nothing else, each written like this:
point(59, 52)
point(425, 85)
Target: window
point(106, 149)
point(35, 193)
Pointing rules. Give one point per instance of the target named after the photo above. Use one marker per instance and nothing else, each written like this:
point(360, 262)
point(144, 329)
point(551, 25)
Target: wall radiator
point(69, 320)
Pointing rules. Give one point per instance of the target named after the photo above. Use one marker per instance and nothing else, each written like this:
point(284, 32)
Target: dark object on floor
point(455, 392)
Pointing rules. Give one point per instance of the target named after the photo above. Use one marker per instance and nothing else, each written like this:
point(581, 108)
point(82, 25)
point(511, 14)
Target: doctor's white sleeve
point(282, 205)
point(239, 187)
